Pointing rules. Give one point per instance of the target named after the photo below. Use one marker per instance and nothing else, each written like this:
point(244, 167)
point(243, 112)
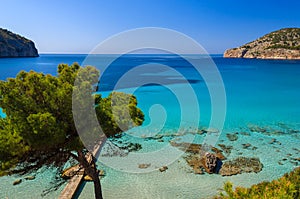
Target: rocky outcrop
point(281, 44)
point(199, 159)
point(71, 171)
point(241, 165)
point(13, 45)
point(16, 182)
point(202, 161)
point(210, 162)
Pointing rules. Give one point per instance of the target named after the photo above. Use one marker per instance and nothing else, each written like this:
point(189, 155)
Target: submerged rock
point(225, 148)
point(162, 169)
point(257, 129)
point(210, 130)
point(130, 147)
point(241, 165)
point(232, 137)
point(29, 178)
point(16, 182)
point(273, 141)
point(144, 166)
point(245, 133)
point(188, 147)
point(199, 158)
point(196, 163)
point(246, 146)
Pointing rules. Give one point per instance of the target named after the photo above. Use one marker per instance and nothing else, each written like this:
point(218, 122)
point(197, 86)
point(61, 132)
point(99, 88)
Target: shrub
point(287, 187)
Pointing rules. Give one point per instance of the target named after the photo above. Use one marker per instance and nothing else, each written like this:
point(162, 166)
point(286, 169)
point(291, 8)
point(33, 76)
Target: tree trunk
point(97, 185)
point(91, 170)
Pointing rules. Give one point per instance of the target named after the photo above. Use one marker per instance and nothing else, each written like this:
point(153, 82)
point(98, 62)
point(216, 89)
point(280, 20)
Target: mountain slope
point(280, 44)
point(14, 45)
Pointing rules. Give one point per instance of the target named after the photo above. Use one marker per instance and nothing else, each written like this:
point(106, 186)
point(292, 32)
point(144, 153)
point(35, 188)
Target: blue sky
point(70, 26)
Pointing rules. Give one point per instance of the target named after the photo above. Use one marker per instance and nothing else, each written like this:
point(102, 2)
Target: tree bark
point(91, 170)
point(97, 185)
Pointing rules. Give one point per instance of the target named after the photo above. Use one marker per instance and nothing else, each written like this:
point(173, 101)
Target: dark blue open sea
point(260, 94)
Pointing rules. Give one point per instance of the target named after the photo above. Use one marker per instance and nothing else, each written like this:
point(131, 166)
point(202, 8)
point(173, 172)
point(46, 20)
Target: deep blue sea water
point(262, 93)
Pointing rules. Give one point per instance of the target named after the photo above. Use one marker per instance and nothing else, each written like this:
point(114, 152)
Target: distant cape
point(14, 45)
point(280, 44)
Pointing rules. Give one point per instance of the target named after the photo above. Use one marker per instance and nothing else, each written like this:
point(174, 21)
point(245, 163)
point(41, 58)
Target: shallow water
point(258, 92)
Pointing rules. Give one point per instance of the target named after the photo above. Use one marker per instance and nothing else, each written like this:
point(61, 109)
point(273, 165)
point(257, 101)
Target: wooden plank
point(73, 184)
point(71, 188)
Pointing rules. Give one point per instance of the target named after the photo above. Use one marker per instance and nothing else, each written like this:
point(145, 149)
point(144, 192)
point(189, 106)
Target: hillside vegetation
point(14, 45)
point(281, 44)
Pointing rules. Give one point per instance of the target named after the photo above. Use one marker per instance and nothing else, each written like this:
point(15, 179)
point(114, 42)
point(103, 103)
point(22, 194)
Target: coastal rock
point(119, 148)
point(188, 147)
point(162, 169)
point(196, 163)
point(71, 171)
point(210, 162)
point(246, 146)
point(257, 129)
point(232, 137)
point(241, 165)
point(16, 182)
point(144, 166)
point(29, 178)
point(280, 44)
point(225, 148)
point(199, 158)
point(14, 45)
point(130, 147)
point(245, 133)
point(87, 178)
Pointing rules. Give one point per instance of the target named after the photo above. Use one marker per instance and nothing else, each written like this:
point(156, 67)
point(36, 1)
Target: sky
point(70, 26)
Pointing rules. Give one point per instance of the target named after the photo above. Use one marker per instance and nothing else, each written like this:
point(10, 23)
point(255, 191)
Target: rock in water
point(87, 178)
point(71, 171)
point(144, 166)
point(101, 173)
point(17, 182)
point(280, 44)
point(241, 165)
point(29, 178)
point(162, 169)
point(14, 45)
point(232, 137)
point(210, 162)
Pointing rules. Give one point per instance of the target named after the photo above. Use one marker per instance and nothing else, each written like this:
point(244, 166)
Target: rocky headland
point(14, 45)
point(280, 44)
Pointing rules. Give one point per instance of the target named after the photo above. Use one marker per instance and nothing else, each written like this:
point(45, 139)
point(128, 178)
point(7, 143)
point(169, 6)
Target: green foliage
point(275, 46)
point(288, 38)
point(121, 119)
point(39, 121)
point(287, 187)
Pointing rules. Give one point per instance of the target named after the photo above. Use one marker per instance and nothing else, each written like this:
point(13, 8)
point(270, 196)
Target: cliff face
point(281, 44)
point(13, 45)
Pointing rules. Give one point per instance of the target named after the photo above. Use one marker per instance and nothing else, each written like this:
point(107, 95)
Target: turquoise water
point(258, 92)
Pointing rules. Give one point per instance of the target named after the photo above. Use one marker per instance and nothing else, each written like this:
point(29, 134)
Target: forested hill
point(14, 45)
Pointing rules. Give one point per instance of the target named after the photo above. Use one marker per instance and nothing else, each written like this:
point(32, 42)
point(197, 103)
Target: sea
point(257, 100)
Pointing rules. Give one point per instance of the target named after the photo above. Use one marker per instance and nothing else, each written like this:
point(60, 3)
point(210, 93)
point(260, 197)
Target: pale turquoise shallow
point(259, 92)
